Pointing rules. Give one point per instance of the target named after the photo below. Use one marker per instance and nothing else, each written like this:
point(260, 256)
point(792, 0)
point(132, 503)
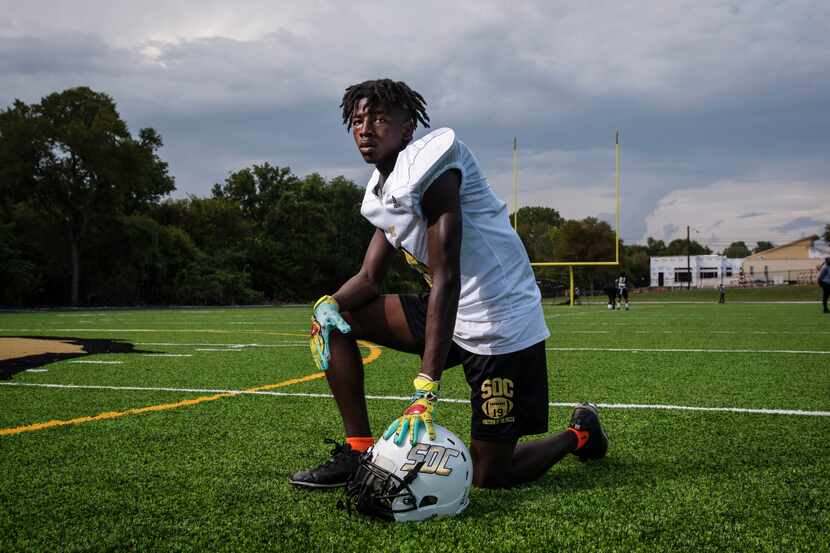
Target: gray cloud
point(230, 85)
point(35, 57)
point(801, 224)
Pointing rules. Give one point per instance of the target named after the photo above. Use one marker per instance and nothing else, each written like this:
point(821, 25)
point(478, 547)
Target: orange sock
point(581, 437)
point(362, 443)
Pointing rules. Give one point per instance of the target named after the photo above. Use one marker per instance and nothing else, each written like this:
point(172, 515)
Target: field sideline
point(178, 434)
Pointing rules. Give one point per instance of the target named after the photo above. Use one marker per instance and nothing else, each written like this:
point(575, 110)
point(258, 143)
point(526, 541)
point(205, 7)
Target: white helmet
point(405, 483)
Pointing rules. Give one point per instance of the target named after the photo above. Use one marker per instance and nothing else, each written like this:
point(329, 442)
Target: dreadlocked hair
point(388, 92)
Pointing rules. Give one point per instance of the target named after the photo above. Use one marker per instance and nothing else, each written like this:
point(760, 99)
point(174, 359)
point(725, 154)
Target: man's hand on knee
point(325, 317)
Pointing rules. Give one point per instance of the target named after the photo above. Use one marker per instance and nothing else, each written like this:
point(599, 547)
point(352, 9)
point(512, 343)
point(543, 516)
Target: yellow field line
point(109, 415)
point(374, 353)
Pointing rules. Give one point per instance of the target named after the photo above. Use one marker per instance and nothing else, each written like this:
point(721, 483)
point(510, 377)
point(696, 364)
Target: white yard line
point(44, 329)
point(695, 350)
point(284, 345)
point(296, 327)
point(635, 302)
point(662, 407)
point(98, 362)
point(734, 332)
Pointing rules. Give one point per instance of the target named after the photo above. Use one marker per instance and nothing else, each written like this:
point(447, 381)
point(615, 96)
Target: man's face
point(380, 132)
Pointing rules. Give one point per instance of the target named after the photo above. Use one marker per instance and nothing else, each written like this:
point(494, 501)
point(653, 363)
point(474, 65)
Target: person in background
point(611, 292)
point(722, 290)
point(622, 290)
point(824, 282)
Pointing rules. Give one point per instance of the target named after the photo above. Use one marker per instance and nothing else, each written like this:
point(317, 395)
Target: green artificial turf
point(800, 292)
point(212, 476)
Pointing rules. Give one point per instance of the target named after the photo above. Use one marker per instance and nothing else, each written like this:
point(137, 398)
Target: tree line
point(86, 218)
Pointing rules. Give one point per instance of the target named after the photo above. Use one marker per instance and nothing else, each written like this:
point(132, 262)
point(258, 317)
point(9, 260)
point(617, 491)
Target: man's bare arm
point(441, 205)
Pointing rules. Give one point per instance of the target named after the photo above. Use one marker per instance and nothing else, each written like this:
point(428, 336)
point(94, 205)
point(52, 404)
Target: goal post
point(572, 264)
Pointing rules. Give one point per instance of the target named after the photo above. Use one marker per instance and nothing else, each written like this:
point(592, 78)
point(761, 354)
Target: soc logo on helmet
point(413, 482)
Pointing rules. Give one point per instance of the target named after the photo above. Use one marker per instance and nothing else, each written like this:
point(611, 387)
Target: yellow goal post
point(571, 264)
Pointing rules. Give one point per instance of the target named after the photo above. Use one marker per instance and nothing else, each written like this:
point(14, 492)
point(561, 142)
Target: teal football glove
point(324, 318)
point(419, 413)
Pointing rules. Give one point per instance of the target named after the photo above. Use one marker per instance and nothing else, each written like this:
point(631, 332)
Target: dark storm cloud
point(70, 54)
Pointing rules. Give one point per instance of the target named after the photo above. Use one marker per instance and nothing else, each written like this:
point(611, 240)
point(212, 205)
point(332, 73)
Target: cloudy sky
point(723, 106)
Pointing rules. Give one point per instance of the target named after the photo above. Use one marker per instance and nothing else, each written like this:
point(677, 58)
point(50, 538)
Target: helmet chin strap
point(412, 474)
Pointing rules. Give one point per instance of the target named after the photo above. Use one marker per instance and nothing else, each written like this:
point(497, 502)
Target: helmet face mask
point(411, 483)
point(377, 492)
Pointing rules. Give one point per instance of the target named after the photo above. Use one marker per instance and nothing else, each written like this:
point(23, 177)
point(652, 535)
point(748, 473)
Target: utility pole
point(688, 260)
point(515, 184)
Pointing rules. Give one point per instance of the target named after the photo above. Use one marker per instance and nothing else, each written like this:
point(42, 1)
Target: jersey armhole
point(454, 165)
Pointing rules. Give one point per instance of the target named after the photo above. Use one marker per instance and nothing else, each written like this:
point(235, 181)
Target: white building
point(707, 271)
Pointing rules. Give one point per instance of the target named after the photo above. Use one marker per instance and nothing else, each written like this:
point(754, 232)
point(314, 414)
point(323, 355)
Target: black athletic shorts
point(508, 392)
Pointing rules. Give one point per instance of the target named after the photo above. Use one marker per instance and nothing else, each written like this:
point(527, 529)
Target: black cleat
point(586, 418)
point(333, 473)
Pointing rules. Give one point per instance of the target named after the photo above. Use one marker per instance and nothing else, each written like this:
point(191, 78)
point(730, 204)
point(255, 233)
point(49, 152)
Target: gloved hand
point(324, 318)
point(418, 414)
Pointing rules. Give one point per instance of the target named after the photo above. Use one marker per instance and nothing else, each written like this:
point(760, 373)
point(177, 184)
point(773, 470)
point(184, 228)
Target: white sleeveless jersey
point(499, 308)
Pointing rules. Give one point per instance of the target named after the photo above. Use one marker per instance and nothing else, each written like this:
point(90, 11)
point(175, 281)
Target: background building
point(707, 271)
point(794, 263)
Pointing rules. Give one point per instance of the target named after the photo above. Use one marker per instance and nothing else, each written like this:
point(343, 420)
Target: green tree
point(537, 227)
point(19, 274)
point(681, 246)
point(637, 264)
point(737, 250)
point(762, 245)
point(349, 232)
point(209, 247)
point(655, 247)
point(588, 239)
point(72, 156)
point(532, 215)
point(307, 235)
point(133, 240)
point(256, 189)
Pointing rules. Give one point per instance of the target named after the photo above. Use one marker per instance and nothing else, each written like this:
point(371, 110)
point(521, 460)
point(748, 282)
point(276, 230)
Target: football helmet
point(406, 482)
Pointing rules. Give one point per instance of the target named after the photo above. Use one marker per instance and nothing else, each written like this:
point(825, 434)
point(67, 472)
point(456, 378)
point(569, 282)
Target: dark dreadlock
point(385, 91)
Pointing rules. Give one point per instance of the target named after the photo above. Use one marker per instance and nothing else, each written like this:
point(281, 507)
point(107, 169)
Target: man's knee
point(349, 317)
point(368, 321)
point(491, 463)
point(383, 322)
point(489, 478)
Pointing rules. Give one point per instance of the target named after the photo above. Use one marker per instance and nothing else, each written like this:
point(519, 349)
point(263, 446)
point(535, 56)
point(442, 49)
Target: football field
point(179, 433)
